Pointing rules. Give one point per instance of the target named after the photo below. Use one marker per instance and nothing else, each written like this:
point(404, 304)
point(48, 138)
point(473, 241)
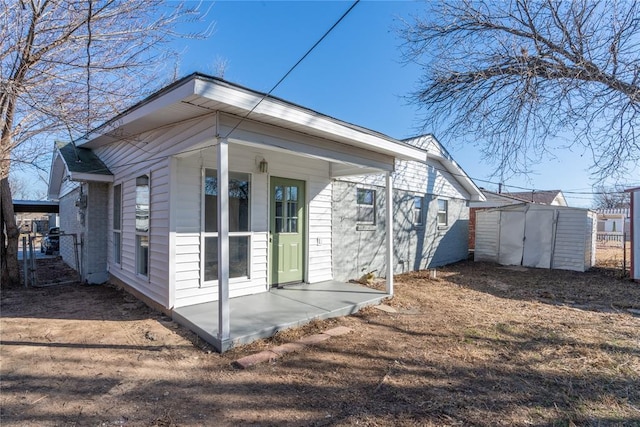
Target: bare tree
point(611, 198)
point(67, 65)
point(522, 78)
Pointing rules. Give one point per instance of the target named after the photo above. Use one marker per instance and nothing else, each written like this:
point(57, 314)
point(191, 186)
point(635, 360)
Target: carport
point(36, 206)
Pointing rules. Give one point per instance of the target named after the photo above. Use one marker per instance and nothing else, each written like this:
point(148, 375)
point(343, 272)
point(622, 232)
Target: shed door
point(511, 238)
point(538, 235)
point(286, 230)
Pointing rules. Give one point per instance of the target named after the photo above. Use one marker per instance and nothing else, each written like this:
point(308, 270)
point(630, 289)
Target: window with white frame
point(117, 223)
point(443, 212)
point(418, 217)
point(366, 206)
point(239, 225)
point(142, 225)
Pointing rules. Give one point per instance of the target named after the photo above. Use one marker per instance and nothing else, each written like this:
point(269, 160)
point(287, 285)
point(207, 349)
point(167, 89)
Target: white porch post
point(389, 230)
point(223, 239)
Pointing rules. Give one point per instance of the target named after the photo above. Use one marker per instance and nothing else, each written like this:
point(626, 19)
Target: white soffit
point(201, 95)
point(280, 113)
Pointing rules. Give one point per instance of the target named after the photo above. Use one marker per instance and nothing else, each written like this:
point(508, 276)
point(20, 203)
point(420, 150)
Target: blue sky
point(356, 74)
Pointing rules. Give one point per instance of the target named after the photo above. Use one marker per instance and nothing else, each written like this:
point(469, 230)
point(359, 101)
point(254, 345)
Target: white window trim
point(421, 216)
point(204, 234)
point(446, 212)
point(373, 206)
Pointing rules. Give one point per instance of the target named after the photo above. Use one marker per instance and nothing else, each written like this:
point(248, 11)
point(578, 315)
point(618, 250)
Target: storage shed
point(541, 236)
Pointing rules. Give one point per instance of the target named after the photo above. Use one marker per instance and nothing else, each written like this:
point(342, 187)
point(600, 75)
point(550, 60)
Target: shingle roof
point(544, 197)
point(82, 160)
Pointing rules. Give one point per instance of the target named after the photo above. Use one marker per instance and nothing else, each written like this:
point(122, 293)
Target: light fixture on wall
point(263, 166)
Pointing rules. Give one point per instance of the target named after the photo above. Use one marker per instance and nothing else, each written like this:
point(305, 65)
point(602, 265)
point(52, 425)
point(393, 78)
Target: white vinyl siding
point(319, 192)
point(155, 285)
point(421, 178)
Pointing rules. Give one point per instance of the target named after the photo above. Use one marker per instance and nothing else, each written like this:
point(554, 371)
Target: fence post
point(624, 254)
point(32, 262)
point(25, 270)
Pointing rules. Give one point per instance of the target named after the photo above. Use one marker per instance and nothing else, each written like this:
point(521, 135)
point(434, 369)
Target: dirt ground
point(480, 345)
point(613, 255)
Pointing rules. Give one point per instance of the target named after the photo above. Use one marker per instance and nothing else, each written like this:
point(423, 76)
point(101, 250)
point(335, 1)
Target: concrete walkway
point(262, 315)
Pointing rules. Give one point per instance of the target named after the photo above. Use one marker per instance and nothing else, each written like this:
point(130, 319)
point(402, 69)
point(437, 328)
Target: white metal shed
point(541, 236)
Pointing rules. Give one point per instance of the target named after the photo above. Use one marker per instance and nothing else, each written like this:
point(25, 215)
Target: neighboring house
point(634, 214)
point(613, 224)
point(542, 197)
point(207, 190)
point(535, 235)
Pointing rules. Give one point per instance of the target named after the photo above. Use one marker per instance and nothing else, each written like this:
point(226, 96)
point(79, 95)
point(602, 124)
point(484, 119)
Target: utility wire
point(191, 150)
point(294, 66)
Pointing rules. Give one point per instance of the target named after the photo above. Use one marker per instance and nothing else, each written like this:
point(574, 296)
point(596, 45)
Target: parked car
point(51, 242)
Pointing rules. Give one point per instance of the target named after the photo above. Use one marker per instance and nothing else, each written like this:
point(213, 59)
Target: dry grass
point(479, 345)
point(612, 255)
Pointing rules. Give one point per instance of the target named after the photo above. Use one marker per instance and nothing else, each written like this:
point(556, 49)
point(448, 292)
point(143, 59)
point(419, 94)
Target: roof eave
point(90, 177)
point(475, 194)
point(259, 105)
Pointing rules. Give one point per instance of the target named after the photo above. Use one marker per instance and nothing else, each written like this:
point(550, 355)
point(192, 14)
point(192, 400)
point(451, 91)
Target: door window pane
point(292, 193)
point(286, 209)
point(279, 213)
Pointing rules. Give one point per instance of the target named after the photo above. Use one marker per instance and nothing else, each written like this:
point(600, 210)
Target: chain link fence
point(613, 250)
point(58, 267)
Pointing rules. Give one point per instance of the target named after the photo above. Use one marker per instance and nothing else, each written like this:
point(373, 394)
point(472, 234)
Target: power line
point(294, 66)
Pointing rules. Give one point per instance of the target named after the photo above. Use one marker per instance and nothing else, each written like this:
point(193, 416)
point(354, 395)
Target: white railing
point(612, 236)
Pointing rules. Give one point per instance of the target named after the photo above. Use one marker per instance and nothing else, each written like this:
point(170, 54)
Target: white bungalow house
point(207, 192)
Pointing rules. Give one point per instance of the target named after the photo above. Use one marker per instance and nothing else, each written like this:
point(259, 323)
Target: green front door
point(286, 231)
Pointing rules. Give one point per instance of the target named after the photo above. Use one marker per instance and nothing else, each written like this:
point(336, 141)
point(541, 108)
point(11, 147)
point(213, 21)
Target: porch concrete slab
point(262, 315)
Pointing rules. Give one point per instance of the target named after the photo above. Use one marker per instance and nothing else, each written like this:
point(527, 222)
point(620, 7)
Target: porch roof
point(76, 164)
point(199, 95)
